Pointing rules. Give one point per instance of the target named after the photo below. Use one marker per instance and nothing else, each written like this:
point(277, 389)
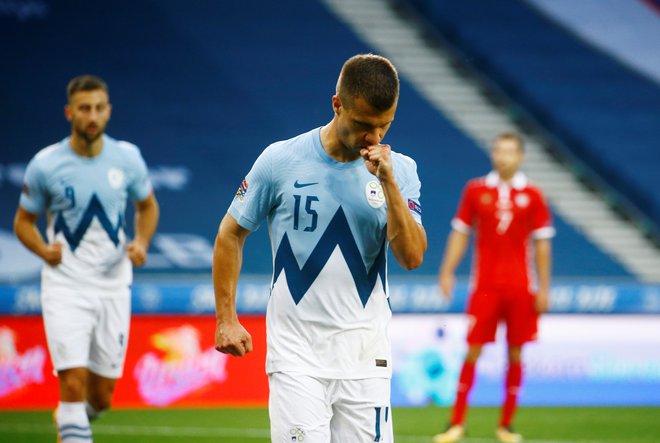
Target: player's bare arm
point(25, 228)
point(543, 256)
point(457, 244)
point(147, 213)
point(406, 237)
point(230, 336)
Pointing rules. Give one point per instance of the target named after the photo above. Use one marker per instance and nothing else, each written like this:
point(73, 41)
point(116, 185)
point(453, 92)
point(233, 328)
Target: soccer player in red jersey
point(508, 215)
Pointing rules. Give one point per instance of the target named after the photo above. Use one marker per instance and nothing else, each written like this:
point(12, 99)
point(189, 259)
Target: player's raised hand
point(137, 253)
point(446, 282)
point(53, 254)
point(378, 160)
point(232, 338)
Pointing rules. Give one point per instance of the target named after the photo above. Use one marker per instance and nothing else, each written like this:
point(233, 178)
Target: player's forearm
point(27, 233)
point(406, 237)
point(227, 261)
point(146, 220)
point(457, 243)
point(543, 256)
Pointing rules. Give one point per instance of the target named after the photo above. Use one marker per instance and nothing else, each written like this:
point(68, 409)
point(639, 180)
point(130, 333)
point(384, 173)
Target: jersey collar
point(518, 182)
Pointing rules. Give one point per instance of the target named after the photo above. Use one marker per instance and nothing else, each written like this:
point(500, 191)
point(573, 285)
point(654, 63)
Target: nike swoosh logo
point(303, 185)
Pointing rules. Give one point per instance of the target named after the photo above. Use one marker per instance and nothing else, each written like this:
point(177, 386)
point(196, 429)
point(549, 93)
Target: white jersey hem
point(332, 375)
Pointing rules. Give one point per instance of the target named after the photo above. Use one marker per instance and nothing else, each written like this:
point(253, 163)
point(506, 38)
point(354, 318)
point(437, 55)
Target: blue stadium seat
point(606, 113)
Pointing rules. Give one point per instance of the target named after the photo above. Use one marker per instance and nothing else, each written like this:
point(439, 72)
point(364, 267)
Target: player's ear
point(336, 104)
point(67, 112)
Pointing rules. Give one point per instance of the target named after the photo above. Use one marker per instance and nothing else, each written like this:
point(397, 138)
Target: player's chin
point(90, 135)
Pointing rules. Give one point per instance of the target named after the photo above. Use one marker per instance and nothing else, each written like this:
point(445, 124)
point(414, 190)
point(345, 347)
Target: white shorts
point(84, 330)
point(318, 410)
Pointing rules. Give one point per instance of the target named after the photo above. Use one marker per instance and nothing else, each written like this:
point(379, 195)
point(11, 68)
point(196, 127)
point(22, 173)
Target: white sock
point(72, 423)
point(92, 412)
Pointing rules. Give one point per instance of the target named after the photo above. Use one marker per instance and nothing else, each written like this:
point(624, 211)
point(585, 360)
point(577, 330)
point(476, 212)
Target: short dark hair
point(85, 83)
point(370, 76)
point(513, 136)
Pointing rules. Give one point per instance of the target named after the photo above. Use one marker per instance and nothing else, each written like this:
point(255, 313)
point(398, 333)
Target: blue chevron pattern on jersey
point(94, 209)
point(338, 233)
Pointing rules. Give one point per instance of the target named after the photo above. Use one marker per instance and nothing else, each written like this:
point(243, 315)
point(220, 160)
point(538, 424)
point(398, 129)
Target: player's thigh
point(483, 316)
point(521, 317)
point(110, 339)
point(362, 411)
point(69, 320)
point(299, 408)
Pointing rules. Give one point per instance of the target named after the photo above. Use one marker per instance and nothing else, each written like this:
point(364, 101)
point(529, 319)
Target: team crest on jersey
point(374, 193)
point(242, 190)
point(522, 200)
point(486, 198)
point(115, 178)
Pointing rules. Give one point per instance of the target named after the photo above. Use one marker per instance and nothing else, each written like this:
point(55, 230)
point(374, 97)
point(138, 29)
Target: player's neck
point(333, 146)
point(84, 148)
point(506, 177)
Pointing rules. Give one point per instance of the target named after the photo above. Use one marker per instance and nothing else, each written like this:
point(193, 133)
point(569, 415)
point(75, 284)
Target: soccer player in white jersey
point(82, 183)
point(334, 199)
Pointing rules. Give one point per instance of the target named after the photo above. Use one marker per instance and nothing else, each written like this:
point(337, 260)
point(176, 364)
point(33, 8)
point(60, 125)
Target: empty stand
point(206, 86)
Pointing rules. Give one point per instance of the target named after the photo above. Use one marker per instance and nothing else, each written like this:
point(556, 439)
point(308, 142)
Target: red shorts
point(488, 306)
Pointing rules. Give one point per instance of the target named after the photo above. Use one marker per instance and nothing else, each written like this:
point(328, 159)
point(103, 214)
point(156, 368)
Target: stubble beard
point(90, 138)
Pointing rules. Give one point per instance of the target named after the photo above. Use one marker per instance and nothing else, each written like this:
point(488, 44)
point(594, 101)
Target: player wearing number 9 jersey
point(82, 184)
point(506, 212)
point(334, 198)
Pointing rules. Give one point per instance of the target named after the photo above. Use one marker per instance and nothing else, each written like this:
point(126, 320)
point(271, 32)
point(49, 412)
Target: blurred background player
point(505, 210)
point(334, 198)
point(82, 183)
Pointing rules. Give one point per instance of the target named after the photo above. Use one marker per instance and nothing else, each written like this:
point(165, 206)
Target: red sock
point(513, 380)
point(464, 385)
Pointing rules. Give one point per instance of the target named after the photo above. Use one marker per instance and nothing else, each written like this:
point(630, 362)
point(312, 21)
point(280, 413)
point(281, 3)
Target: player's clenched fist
point(53, 254)
point(232, 338)
point(378, 160)
point(136, 253)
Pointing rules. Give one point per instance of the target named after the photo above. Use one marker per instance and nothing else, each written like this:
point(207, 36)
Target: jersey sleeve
point(255, 195)
point(139, 186)
point(410, 187)
point(34, 196)
point(462, 221)
point(542, 219)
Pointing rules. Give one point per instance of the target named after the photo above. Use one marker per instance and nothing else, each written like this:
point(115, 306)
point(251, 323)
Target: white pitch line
point(251, 433)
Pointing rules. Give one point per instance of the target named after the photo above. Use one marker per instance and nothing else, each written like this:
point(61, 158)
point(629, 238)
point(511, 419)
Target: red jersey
point(504, 216)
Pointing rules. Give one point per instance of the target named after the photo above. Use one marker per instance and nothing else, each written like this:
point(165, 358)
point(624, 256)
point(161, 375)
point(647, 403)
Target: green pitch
point(411, 425)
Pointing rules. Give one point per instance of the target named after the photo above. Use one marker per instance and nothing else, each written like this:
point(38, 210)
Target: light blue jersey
point(85, 201)
point(329, 311)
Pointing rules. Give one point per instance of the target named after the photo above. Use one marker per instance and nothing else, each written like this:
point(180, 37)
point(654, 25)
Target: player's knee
point(473, 354)
point(515, 354)
point(72, 388)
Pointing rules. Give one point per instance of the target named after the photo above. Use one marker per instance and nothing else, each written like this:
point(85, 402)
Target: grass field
point(411, 425)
